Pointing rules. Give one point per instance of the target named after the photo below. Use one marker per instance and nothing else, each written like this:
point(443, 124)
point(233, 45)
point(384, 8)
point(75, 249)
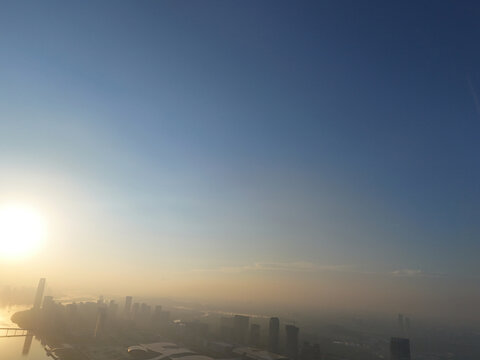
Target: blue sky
point(230, 133)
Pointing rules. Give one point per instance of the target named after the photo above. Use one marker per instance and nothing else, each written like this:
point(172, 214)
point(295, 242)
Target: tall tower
point(399, 349)
point(39, 295)
point(273, 335)
point(407, 326)
point(401, 326)
point(128, 305)
point(101, 321)
point(292, 341)
point(255, 335)
point(240, 328)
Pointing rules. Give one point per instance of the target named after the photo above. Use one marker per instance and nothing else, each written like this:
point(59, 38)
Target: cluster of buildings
point(237, 337)
point(400, 345)
point(238, 330)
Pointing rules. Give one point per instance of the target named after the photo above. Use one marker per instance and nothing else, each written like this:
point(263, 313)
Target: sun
point(22, 230)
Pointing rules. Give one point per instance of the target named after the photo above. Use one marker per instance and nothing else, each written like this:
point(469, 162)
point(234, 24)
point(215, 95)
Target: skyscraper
point(101, 320)
point(135, 311)
point(399, 349)
point(291, 348)
point(112, 309)
point(273, 335)
point(39, 295)
point(128, 305)
point(226, 328)
point(240, 328)
point(255, 335)
point(401, 326)
point(407, 325)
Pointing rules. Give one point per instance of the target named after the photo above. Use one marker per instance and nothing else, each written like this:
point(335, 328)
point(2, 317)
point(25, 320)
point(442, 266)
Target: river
point(18, 348)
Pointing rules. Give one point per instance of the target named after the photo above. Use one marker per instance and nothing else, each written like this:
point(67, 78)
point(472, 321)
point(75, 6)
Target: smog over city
point(239, 180)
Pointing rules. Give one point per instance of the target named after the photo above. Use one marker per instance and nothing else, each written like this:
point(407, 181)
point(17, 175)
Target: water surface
point(18, 348)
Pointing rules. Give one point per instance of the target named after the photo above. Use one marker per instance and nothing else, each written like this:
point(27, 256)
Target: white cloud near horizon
point(414, 273)
point(295, 266)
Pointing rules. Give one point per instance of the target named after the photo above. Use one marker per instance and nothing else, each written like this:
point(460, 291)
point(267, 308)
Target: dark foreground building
point(399, 349)
point(240, 328)
point(273, 335)
point(291, 345)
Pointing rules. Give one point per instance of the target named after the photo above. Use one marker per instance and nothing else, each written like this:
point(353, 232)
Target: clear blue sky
point(236, 132)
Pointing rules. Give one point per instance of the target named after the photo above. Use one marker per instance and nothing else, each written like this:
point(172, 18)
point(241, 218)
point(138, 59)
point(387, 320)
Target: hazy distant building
point(399, 349)
point(226, 328)
point(316, 353)
point(128, 305)
point(48, 304)
point(145, 309)
point(274, 335)
point(71, 311)
point(291, 343)
point(135, 310)
point(240, 328)
point(112, 309)
point(196, 332)
point(101, 321)
point(164, 318)
point(310, 352)
point(407, 324)
point(401, 326)
point(39, 294)
point(255, 335)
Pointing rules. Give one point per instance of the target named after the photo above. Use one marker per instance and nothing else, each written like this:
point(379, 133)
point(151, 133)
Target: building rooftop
point(165, 351)
point(257, 354)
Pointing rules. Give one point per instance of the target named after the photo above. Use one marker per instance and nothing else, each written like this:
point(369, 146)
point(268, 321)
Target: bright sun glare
point(22, 231)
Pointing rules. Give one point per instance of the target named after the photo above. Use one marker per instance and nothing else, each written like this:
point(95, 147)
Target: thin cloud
point(414, 273)
point(407, 273)
point(297, 266)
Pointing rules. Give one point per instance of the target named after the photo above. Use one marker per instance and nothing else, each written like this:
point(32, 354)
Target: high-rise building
point(310, 351)
point(135, 311)
point(291, 345)
point(112, 309)
point(39, 295)
point(407, 325)
point(255, 335)
point(145, 309)
point(306, 352)
point(128, 305)
point(274, 335)
point(48, 305)
point(399, 349)
point(226, 328)
point(316, 353)
point(401, 326)
point(101, 320)
point(71, 313)
point(240, 328)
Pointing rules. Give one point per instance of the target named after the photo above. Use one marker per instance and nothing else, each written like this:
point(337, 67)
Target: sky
point(306, 151)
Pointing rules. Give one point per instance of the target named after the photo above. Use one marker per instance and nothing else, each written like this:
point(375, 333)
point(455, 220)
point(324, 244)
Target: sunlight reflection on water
point(18, 348)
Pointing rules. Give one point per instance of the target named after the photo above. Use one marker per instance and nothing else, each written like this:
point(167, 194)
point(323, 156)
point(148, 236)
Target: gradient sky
point(216, 138)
